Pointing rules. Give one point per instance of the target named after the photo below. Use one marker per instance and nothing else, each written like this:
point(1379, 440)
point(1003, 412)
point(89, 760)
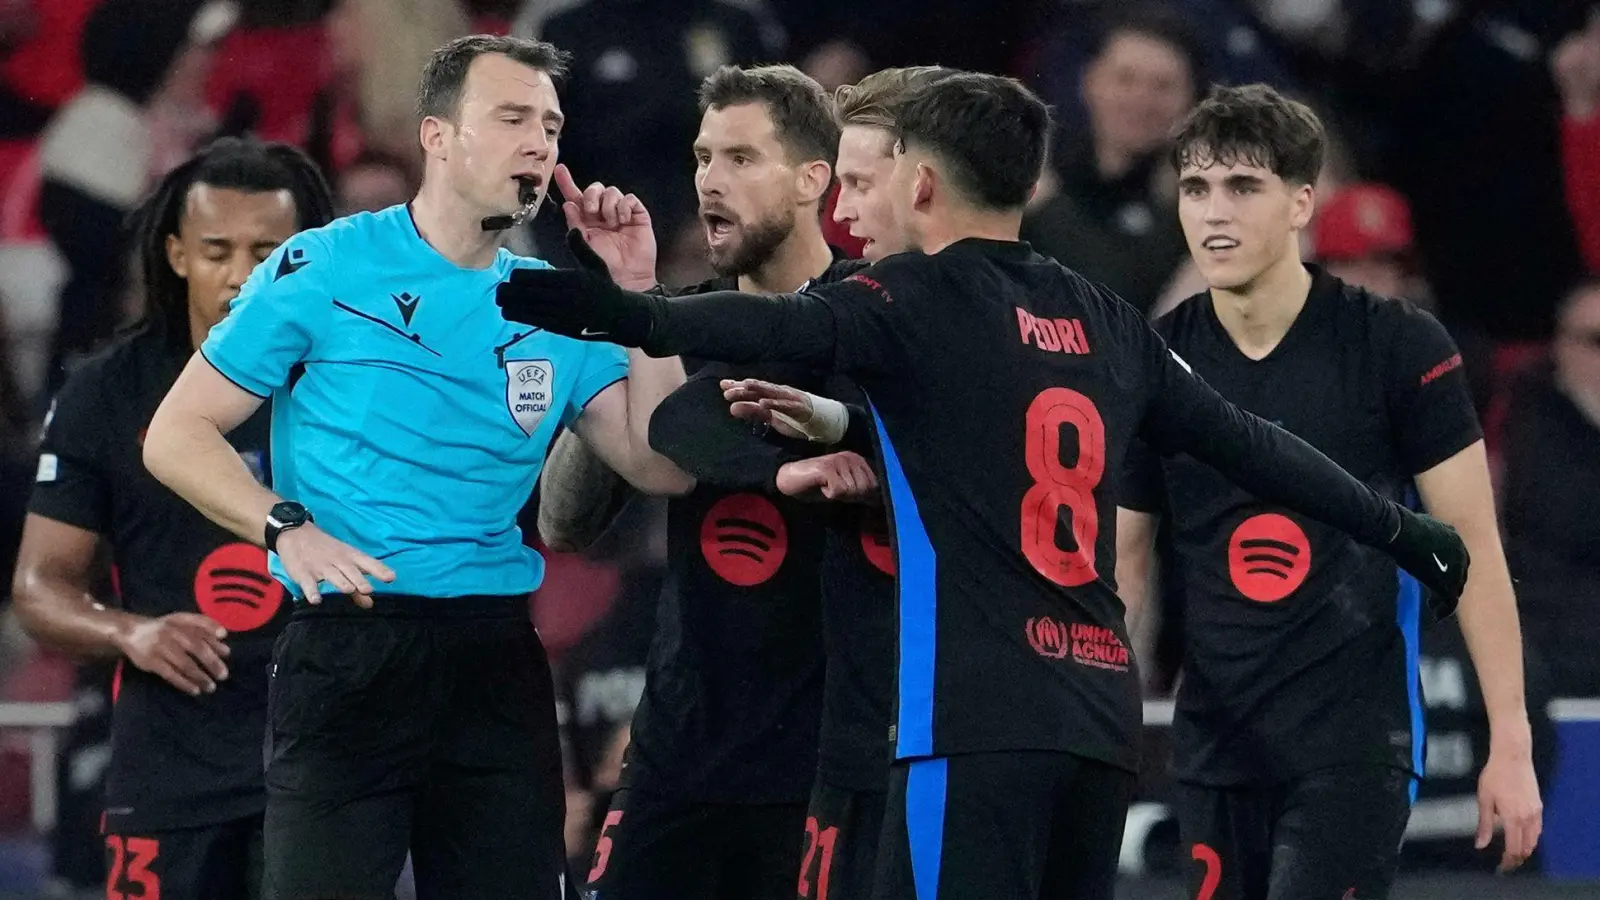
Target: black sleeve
point(72, 484)
point(1144, 486)
point(846, 326)
point(1185, 415)
point(1429, 399)
point(693, 428)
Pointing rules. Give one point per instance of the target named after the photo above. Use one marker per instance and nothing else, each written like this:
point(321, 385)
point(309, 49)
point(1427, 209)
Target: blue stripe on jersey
point(926, 784)
point(1408, 613)
point(919, 611)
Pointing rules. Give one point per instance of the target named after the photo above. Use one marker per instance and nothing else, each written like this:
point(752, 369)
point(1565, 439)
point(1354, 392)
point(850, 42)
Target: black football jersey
point(1007, 391)
point(176, 761)
point(1301, 644)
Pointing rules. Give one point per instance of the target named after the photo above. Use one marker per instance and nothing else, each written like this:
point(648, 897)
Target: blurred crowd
point(1466, 177)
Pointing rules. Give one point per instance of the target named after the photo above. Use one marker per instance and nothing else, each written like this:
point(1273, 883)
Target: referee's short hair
point(991, 131)
point(1255, 125)
point(802, 116)
point(439, 95)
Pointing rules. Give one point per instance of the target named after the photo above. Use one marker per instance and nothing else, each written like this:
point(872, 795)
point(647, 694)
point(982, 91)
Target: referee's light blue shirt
point(408, 416)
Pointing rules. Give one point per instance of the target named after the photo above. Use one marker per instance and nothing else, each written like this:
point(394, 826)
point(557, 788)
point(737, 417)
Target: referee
point(410, 702)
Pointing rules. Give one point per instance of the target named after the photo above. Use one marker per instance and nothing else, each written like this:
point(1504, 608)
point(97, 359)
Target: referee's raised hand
point(312, 556)
point(615, 225)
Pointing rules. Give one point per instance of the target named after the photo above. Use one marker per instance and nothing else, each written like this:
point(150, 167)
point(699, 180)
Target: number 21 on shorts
point(1057, 486)
point(819, 846)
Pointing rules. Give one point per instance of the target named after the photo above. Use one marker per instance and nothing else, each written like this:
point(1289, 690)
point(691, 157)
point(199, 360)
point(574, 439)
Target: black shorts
point(213, 862)
point(652, 848)
point(1021, 824)
point(1331, 834)
point(841, 843)
point(424, 724)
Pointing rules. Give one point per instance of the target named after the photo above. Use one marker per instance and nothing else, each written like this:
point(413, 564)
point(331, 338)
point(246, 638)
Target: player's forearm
point(1274, 464)
point(1493, 633)
point(56, 610)
point(190, 455)
point(741, 328)
point(579, 496)
point(650, 380)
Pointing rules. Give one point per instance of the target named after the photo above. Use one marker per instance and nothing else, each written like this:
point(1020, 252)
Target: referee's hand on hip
point(311, 556)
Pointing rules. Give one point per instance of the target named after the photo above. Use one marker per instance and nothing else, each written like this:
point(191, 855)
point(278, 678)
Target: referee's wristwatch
point(283, 517)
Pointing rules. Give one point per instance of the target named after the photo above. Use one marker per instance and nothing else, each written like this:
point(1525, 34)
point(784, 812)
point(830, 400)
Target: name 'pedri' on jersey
point(408, 415)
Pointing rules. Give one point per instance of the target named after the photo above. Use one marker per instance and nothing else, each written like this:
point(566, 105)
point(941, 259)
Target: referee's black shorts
point(1018, 825)
point(425, 724)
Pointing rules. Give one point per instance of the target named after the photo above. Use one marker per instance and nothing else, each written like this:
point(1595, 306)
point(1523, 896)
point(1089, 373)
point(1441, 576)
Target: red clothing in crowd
point(1580, 159)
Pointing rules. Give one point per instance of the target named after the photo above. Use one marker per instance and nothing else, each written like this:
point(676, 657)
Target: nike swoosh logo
point(589, 333)
point(1440, 563)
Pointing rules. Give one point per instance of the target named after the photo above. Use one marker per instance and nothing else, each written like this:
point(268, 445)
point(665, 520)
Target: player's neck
point(454, 232)
point(802, 256)
point(1258, 315)
point(961, 224)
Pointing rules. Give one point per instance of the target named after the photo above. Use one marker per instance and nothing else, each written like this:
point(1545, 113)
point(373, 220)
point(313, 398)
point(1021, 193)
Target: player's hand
point(777, 405)
point(583, 303)
point(184, 649)
point(312, 556)
point(1435, 555)
point(616, 225)
point(842, 476)
point(1508, 791)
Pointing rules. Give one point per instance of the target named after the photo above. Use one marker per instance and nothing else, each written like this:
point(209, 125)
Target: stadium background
point(1466, 175)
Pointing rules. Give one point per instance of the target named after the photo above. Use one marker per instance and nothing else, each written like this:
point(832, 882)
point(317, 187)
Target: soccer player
point(197, 612)
point(1298, 734)
point(724, 740)
point(411, 703)
point(1005, 389)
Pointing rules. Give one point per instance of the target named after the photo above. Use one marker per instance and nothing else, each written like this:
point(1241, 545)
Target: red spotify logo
point(232, 586)
point(875, 541)
point(744, 539)
point(1268, 557)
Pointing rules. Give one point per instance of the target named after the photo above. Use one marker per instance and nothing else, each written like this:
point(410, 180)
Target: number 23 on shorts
point(1056, 485)
point(129, 876)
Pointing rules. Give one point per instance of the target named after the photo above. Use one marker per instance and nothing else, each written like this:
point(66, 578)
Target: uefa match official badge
point(529, 386)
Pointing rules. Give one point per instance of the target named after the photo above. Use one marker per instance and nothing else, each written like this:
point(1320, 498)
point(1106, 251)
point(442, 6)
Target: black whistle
point(528, 196)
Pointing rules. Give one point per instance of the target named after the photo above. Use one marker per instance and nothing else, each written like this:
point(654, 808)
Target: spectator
point(96, 157)
point(374, 181)
point(1363, 235)
point(1576, 67)
point(1551, 480)
point(39, 68)
point(1106, 205)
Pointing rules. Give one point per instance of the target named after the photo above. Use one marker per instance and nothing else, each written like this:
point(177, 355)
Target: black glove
point(1435, 555)
point(583, 303)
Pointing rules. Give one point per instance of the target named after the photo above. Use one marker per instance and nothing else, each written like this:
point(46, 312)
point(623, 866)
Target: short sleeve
point(603, 365)
point(72, 484)
point(1430, 402)
point(866, 308)
point(273, 324)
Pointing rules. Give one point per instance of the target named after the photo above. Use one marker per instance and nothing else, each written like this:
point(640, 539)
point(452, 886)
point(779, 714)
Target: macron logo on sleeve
point(292, 262)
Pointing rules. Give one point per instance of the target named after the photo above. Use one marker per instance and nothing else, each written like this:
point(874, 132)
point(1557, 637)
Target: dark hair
point(1156, 21)
point(872, 100)
point(991, 131)
point(802, 116)
point(1254, 125)
point(439, 95)
point(236, 163)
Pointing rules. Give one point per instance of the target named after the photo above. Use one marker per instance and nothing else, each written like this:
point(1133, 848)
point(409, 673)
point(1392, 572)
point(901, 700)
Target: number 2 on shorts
point(1056, 485)
point(1213, 863)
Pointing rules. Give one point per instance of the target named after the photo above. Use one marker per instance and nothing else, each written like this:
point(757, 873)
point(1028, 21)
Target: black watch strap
point(285, 516)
